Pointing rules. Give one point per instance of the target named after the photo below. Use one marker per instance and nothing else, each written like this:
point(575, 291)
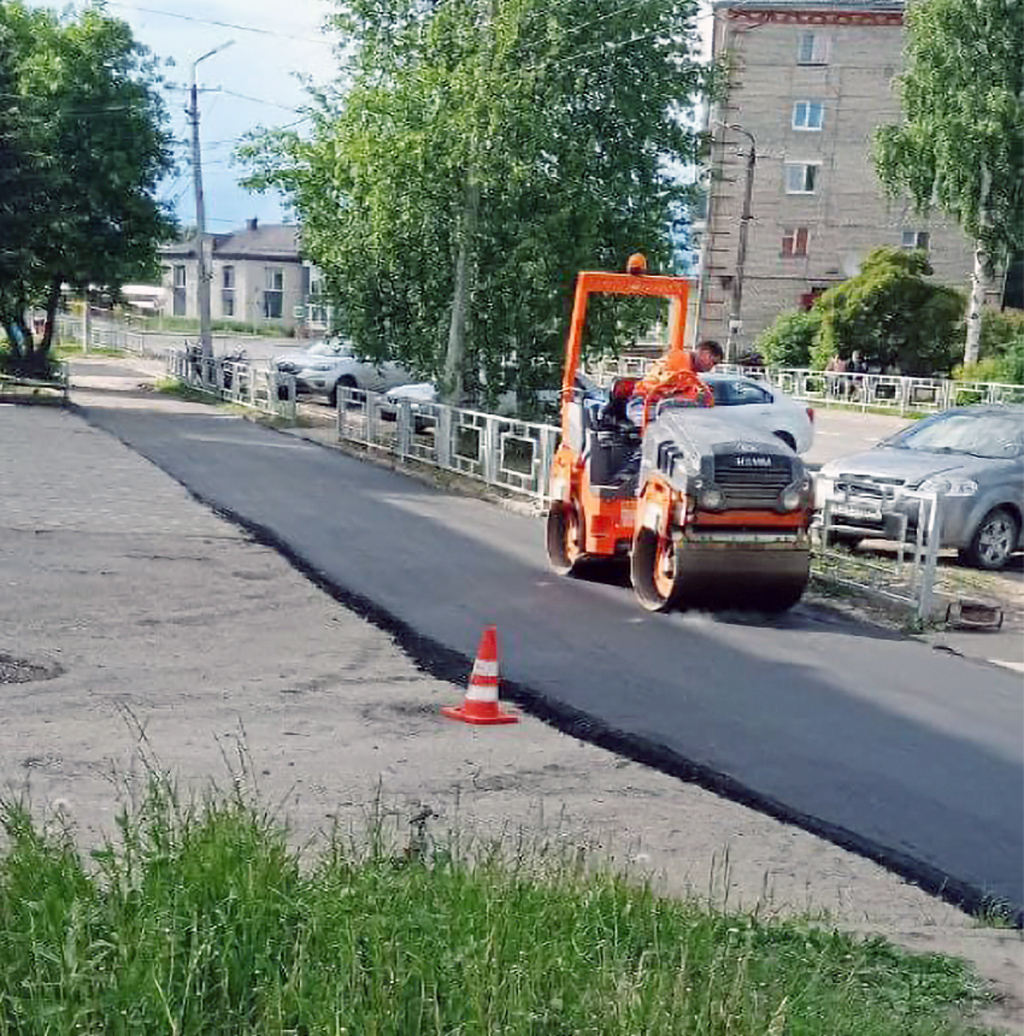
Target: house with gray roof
point(259, 277)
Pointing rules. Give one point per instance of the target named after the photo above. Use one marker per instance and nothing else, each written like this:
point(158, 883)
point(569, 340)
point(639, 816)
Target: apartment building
point(808, 83)
point(258, 277)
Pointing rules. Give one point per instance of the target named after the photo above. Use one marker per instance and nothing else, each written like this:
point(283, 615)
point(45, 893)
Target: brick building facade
point(809, 82)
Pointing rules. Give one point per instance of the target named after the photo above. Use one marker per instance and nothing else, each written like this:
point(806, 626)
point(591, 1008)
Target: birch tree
point(473, 156)
point(960, 147)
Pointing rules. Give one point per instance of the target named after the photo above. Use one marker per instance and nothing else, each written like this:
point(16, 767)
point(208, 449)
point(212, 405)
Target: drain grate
point(21, 670)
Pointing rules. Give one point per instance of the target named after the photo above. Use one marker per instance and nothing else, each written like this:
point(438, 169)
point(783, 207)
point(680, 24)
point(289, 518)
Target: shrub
point(788, 342)
point(892, 315)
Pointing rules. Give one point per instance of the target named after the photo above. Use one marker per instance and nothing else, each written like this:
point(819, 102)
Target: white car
point(323, 367)
point(764, 407)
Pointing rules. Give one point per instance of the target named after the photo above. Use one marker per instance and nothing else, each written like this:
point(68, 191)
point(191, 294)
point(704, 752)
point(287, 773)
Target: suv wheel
point(993, 541)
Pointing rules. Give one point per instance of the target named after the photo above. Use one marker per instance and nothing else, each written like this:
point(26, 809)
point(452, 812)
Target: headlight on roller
point(711, 499)
point(791, 499)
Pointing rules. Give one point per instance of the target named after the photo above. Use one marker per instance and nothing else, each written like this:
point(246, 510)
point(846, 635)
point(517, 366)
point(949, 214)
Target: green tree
point(1001, 356)
point(92, 147)
point(788, 342)
point(478, 154)
point(892, 315)
point(961, 144)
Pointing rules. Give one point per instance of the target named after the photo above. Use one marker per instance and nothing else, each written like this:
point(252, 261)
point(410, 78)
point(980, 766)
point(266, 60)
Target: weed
point(199, 919)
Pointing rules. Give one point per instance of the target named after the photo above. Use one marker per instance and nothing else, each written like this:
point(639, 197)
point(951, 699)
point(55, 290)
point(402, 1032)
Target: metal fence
point(255, 386)
point(900, 395)
point(909, 578)
point(509, 454)
point(104, 334)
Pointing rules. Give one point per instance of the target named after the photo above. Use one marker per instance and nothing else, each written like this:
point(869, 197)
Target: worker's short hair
point(712, 347)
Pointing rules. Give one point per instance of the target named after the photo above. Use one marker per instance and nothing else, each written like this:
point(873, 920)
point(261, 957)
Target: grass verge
point(178, 389)
point(201, 920)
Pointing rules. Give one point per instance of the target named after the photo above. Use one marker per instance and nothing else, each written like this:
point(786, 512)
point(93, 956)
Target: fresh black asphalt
point(909, 756)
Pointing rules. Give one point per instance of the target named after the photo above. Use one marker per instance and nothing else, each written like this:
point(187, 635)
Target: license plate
point(846, 509)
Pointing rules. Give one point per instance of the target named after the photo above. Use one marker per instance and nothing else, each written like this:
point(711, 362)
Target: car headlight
point(949, 486)
point(711, 498)
point(791, 498)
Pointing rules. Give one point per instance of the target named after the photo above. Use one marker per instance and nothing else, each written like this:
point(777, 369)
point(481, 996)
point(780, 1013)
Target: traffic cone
point(481, 701)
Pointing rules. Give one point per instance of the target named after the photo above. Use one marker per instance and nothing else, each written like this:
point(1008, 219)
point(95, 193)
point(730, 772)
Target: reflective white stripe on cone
point(481, 702)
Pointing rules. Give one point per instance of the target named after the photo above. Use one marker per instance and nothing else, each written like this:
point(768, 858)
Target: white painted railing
point(511, 455)
point(901, 395)
point(255, 386)
point(909, 579)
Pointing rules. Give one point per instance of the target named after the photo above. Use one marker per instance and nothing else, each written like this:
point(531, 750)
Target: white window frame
point(180, 276)
point(802, 116)
point(227, 277)
point(806, 167)
point(813, 48)
point(273, 287)
point(911, 239)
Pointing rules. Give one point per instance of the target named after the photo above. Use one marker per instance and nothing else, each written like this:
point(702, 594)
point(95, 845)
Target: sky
point(274, 42)
point(254, 82)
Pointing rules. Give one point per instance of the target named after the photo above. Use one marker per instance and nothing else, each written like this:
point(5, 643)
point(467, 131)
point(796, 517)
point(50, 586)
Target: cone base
point(459, 712)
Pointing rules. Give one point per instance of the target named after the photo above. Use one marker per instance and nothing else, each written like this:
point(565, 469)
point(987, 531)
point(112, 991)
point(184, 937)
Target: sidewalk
point(139, 608)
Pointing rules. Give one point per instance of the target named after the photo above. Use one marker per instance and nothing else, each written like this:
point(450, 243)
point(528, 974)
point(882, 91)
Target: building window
point(273, 293)
point(794, 241)
point(179, 305)
point(227, 291)
point(801, 177)
point(812, 49)
point(808, 115)
point(317, 308)
point(915, 239)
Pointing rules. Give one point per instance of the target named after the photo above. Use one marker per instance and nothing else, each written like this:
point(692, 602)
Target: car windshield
point(995, 436)
point(335, 347)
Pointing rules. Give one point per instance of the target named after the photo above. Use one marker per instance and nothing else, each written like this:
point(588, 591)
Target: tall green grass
point(201, 920)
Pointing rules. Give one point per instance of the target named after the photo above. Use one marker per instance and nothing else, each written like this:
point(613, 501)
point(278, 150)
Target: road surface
point(907, 755)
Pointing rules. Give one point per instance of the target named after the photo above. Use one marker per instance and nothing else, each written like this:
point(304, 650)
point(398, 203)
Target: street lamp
point(204, 274)
point(735, 309)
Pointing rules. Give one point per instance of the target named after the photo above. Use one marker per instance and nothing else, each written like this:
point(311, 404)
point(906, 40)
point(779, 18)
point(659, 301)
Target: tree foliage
point(788, 342)
point(961, 144)
point(84, 146)
point(892, 315)
point(1002, 348)
point(531, 140)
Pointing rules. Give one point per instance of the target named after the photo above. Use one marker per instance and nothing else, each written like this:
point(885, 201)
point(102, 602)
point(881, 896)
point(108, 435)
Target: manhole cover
point(21, 670)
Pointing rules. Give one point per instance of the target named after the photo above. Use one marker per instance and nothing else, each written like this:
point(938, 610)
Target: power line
point(259, 100)
point(224, 25)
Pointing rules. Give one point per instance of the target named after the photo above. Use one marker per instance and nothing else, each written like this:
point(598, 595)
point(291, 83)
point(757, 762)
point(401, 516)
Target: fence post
point(489, 449)
point(404, 420)
point(443, 437)
point(924, 603)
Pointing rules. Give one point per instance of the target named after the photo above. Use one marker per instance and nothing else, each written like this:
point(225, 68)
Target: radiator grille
point(751, 478)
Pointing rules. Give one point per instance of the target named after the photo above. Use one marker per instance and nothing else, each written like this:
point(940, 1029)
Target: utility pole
point(736, 305)
point(205, 275)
